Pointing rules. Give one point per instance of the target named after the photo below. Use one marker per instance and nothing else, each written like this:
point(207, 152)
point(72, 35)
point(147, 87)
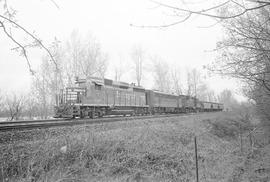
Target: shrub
point(224, 128)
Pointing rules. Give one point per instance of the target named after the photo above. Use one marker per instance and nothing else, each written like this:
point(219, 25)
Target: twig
point(165, 25)
point(56, 5)
point(204, 12)
point(31, 35)
point(21, 46)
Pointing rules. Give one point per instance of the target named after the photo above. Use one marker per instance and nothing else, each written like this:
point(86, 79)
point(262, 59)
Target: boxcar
point(206, 106)
point(161, 102)
point(182, 100)
point(220, 107)
point(215, 106)
point(192, 104)
point(211, 106)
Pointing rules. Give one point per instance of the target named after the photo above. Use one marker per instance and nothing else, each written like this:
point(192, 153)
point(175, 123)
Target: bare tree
point(14, 105)
point(197, 87)
point(43, 87)
point(226, 97)
point(193, 81)
point(189, 84)
point(138, 56)
point(211, 96)
point(119, 69)
point(202, 91)
point(176, 78)
point(117, 73)
point(161, 74)
point(244, 54)
point(31, 106)
point(84, 57)
point(47, 82)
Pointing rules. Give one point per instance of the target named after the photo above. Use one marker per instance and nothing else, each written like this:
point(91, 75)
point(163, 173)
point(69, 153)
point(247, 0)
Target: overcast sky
point(186, 45)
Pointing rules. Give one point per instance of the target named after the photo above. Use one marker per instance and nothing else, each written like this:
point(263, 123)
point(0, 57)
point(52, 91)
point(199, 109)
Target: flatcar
point(96, 97)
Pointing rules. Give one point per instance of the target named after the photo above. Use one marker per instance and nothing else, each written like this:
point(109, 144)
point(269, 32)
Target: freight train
point(96, 97)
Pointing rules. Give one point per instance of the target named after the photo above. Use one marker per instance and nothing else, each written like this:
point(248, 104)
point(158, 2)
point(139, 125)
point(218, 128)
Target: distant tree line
point(83, 57)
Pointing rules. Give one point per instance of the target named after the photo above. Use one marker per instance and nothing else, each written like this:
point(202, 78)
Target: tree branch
point(24, 53)
point(165, 25)
point(204, 12)
point(31, 35)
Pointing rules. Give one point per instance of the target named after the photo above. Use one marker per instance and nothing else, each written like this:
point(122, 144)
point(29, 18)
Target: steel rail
point(69, 119)
point(30, 121)
point(50, 120)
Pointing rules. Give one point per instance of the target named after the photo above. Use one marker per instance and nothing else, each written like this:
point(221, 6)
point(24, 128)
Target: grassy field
point(138, 150)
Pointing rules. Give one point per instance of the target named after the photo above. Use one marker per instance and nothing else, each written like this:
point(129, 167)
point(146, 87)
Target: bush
point(224, 128)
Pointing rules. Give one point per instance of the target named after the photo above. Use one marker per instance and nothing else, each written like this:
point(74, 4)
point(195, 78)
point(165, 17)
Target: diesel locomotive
point(96, 97)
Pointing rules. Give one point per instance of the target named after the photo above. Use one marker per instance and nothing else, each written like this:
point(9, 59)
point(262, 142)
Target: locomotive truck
point(96, 97)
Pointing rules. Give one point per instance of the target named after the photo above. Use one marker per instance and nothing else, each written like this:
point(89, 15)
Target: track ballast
point(34, 124)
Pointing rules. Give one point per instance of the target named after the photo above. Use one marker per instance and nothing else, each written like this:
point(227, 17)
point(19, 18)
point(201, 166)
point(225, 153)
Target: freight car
point(96, 97)
point(211, 106)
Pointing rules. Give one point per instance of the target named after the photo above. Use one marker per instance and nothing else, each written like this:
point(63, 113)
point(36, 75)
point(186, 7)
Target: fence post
point(196, 158)
point(241, 140)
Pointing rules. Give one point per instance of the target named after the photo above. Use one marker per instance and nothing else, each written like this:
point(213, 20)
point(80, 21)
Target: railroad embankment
point(139, 150)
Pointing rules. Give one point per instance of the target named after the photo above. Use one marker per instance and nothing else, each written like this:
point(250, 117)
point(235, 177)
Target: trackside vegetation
point(138, 150)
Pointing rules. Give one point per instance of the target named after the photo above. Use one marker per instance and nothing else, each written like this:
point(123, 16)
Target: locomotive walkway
point(34, 124)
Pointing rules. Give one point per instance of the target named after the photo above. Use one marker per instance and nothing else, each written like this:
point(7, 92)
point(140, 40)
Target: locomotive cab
point(67, 100)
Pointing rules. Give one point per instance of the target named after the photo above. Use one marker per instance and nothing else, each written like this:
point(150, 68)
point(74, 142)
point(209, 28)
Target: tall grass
point(155, 152)
point(144, 150)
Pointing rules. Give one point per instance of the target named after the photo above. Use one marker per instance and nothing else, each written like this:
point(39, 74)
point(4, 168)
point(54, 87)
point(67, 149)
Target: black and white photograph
point(135, 91)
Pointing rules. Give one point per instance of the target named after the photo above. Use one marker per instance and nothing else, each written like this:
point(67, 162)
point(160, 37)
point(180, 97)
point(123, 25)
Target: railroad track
point(31, 121)
point(34, 124)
